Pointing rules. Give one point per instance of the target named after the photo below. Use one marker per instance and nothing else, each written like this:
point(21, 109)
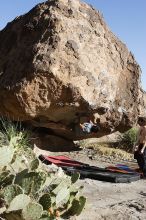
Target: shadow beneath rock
point(59, 148)
point(50, 142)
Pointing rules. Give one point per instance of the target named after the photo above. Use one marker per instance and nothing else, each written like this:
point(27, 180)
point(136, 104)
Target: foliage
point(14, 134)
point(128, 139)
point(28, 189)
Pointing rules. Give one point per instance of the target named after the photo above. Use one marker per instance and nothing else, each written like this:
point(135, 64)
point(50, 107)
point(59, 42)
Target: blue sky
point(126, 19)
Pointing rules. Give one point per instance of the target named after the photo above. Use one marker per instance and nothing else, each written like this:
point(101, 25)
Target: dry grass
point(113, 152)
point(108, 150)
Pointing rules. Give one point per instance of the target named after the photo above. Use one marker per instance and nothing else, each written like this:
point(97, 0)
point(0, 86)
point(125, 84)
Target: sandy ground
point(109, 201)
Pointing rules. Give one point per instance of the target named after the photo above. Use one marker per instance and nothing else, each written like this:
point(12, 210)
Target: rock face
point(59, 61)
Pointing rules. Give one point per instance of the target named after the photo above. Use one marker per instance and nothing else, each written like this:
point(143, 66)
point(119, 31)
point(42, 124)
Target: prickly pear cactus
point(28, 191)
point(3, 176)
point(75, 177)
point(19, 163)
point(34, 164)
point(10, 192)
point(45, 201)
point(76, 207)
point(62, 195)
point(32, 182)
point(6, 178)
point(81, 205)
point(6, 155)
point(64, 183)
point(12, 216)
point(18, 203)
point(33, 211)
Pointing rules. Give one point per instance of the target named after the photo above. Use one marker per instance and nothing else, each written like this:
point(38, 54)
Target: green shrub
point(14, 134)
point(127, 139)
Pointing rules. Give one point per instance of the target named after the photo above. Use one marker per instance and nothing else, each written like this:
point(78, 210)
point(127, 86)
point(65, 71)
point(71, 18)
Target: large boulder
point(61, 61)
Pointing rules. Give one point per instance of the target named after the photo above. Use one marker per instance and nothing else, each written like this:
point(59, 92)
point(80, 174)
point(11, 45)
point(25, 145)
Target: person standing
point(140, 145)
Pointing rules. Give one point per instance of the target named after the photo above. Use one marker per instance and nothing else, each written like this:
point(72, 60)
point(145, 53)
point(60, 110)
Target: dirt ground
point(105, 200)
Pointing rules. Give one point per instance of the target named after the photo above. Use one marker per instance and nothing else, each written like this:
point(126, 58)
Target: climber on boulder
point(89, 127)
